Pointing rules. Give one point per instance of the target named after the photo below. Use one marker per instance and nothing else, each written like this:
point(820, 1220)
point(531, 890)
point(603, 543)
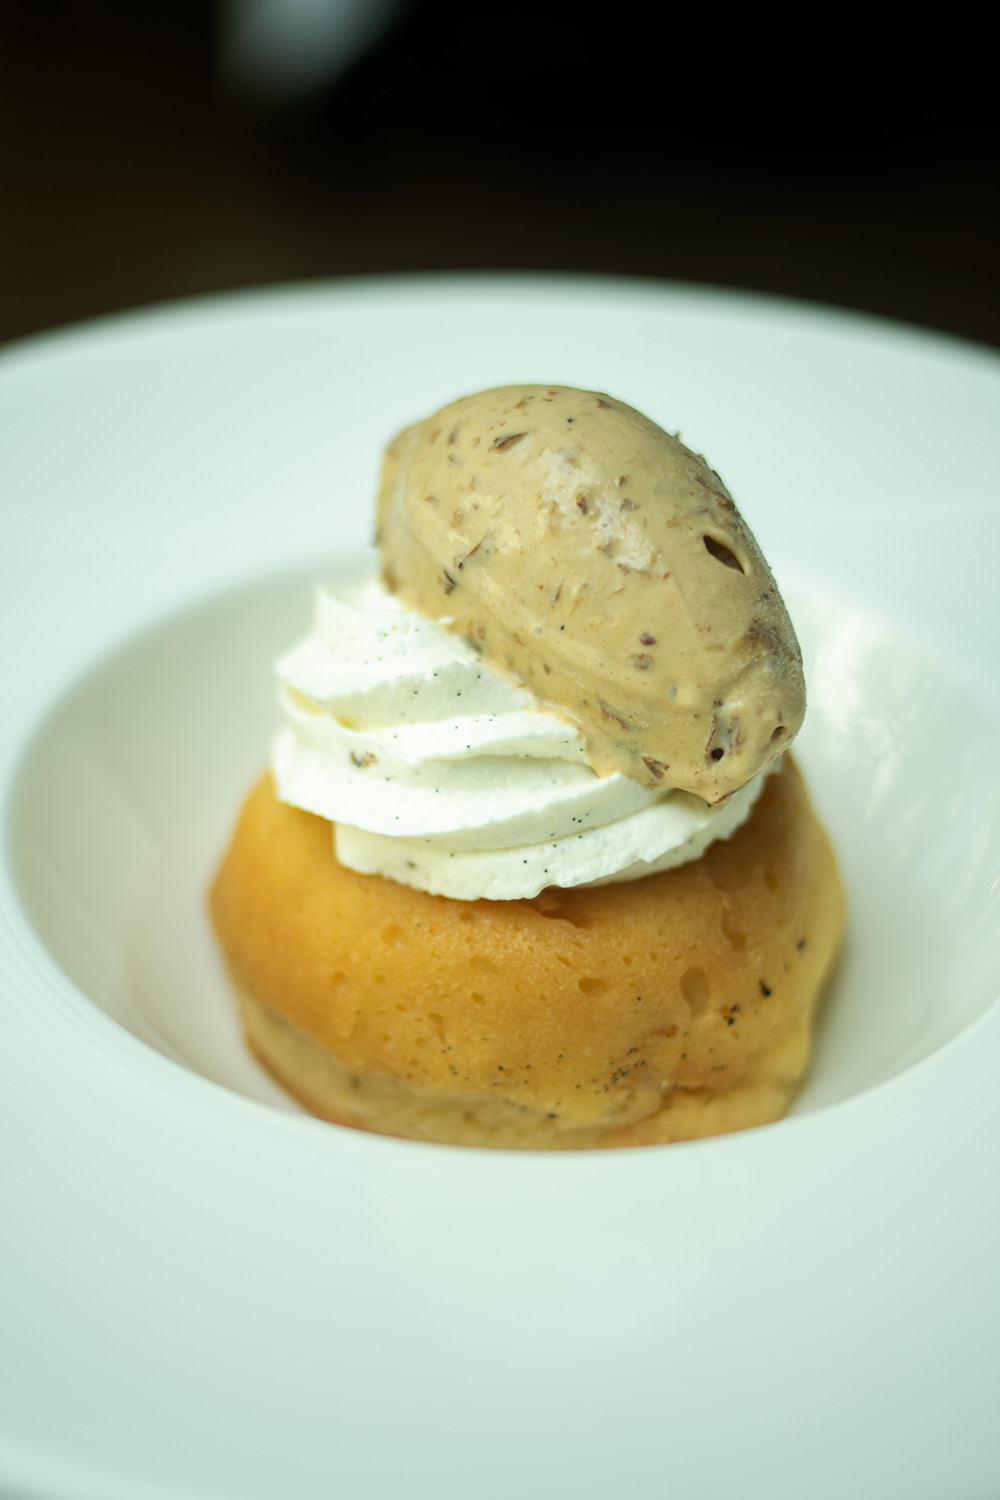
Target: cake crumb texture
point(663, 1009)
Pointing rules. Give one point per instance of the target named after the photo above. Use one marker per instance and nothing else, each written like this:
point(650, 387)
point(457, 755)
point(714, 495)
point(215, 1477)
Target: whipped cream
point(441, 774)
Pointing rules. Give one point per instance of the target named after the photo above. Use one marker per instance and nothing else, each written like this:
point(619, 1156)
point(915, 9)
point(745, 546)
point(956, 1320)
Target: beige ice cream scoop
point(588, 553)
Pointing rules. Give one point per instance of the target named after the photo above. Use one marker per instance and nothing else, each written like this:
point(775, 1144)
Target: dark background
point(809, 159)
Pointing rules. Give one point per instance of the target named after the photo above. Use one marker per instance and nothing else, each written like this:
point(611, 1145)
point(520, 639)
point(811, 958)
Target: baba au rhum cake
point(531, 867)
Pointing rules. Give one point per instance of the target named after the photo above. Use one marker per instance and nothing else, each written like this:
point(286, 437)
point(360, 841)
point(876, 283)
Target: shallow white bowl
point(206, 1292)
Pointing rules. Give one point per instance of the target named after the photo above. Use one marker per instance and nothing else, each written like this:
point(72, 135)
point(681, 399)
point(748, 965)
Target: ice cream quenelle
point(531, 868)
point(590, 554)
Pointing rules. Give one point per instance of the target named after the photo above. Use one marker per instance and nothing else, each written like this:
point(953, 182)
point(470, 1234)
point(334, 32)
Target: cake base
point(664, 1009)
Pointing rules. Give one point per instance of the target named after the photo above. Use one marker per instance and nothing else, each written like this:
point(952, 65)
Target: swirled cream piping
point(441, 774)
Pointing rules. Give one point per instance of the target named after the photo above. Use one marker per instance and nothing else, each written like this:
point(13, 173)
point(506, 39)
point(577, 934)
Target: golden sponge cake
point(659, 1010)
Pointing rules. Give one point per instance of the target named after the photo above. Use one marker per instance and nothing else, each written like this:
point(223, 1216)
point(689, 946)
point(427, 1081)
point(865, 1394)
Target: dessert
point(531, 867)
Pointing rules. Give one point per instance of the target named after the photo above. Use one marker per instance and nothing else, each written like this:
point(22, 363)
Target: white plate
point(207, 1295)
